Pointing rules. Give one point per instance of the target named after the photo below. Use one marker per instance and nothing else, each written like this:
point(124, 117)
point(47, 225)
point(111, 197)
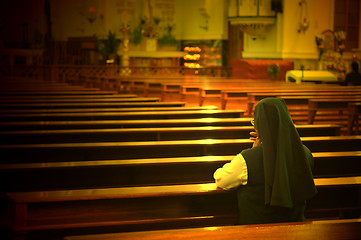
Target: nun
point(273, 179)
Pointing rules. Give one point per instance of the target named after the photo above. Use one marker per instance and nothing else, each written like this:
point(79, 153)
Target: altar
point(299, 76)
point(155, 58)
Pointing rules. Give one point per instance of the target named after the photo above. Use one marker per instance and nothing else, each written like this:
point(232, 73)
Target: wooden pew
point(78, 102)
point(170, 88)
point(291, 99)
point(97, 124)
point(81, 100)
point(190, 90)
point(255, 95)
point(153, 149)
point(149, 134)
point(164, 88)
point(31, 84)
point(354, 110)
point(15, 81)
point(322, 230)
point(108, 82)
point(142, 172)
point(253, 98)
point(213, 93)
point(232, 89)
point(123, 85)
point(123, 115)
point(90, 105)
point(48, 88)
point(69, 96)
point(227, 95)
point(137, 86)
point(47, 92)
point(145, 87)
point(152, 207)
point(82, 110)
point(339, 104)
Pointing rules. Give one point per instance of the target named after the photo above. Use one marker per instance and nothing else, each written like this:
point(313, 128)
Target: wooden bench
point(322, 229)
point(171, 88)
point(154, 87)
point(102, 82)
point(69, 96)
point(137, 86)
point(90, 80)
point(210, 93)
point(253, 98)
point(254, 95)
point(82, 110)
point(191, 90)
point(150, 171)
point(232, 95)
point(47, 92)
point(108, 82)
point(123, 115)
point(49, 88)
point(90, 105)
point(81, 100)
point(354, 110)
point(339, 104)
point(154, 149)
point(152, 207)
point(303, 100)
point(163, 89)
point(97, 124)
point(203, 92)
point(230, 89)
point(145, 87)
point(149, 134)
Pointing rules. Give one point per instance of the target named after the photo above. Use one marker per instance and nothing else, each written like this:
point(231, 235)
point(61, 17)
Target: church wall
point(201, 19)
point(191, 20)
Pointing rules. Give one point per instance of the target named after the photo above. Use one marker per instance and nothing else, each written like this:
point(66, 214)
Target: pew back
point(152, 149)
point(322, 230)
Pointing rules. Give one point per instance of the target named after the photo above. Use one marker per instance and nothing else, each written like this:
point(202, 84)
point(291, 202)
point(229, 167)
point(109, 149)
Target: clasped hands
point(255, 138)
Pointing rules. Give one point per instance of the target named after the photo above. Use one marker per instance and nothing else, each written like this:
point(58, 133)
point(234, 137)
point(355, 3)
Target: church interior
point(115, 114)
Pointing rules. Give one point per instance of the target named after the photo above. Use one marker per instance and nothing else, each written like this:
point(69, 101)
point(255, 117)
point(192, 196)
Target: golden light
point(209, 141)
point(193, 57)
point(192, 65)
point(209, 120)
point(192, 49)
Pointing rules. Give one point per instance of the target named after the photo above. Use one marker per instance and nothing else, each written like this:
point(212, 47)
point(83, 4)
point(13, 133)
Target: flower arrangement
point(340, 39)
point(145, 29)
point(149, 31)
point(320, 46)
point(150, 28)
point(125, 29)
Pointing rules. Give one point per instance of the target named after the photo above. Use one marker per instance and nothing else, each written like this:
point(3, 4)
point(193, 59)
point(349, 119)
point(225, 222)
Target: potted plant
point(273, 71)
point(168, 40)
point(108, 47)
